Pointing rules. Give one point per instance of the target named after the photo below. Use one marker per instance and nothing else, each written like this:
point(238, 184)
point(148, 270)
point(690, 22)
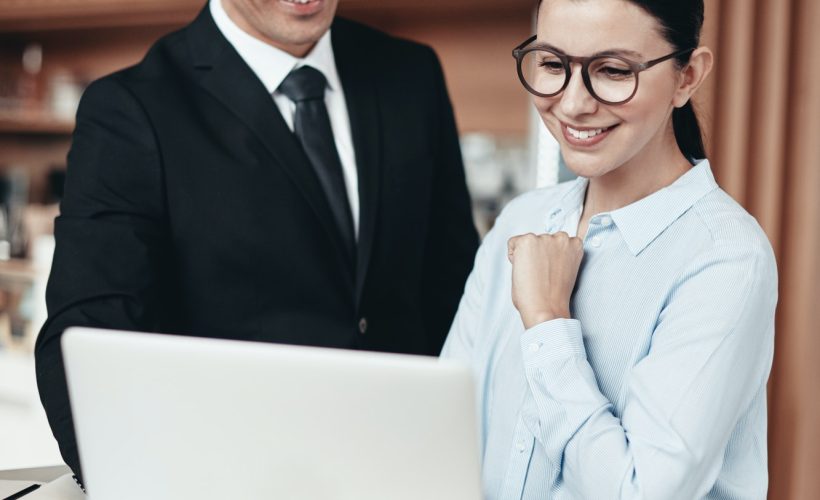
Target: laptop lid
point(168, 417)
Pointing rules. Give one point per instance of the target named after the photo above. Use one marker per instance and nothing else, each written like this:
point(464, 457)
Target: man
point(262, 175)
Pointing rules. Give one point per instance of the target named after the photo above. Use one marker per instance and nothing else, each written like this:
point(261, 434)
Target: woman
point(621, 325)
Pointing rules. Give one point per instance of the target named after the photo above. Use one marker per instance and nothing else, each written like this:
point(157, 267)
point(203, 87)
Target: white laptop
point(165, 417)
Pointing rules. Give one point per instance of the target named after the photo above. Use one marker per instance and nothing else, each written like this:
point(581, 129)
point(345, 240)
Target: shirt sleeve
point(111, 241)
point(462, 338)
point(710, 356)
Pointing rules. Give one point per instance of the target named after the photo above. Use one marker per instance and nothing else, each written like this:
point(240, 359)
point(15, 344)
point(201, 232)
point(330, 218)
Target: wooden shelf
point(44, 15)
point(34, 124)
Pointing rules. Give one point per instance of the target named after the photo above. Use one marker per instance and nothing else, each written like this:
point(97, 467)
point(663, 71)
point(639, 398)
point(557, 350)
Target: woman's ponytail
point(687, 132)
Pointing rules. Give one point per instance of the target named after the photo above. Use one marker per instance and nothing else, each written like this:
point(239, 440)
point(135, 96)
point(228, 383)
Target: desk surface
point(56, 483)
point(26, 440)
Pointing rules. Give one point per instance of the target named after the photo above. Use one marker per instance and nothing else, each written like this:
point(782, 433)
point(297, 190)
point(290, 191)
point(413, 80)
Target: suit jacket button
point(363, 326)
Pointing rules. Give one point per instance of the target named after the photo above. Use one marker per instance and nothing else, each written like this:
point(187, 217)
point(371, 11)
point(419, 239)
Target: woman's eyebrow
point(621, 52)
point(609, 52)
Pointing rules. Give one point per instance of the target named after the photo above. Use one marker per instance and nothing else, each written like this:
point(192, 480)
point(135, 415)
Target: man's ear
point(693, 75)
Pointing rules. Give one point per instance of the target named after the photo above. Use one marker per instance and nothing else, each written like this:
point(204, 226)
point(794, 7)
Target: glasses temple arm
point(653, 62)
point(526, 42)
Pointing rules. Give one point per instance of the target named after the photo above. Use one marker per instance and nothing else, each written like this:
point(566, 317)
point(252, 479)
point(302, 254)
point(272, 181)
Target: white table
point(25, 437)
point(26, 442)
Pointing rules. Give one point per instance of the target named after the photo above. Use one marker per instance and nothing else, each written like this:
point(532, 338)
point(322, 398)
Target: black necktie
point(305, 86)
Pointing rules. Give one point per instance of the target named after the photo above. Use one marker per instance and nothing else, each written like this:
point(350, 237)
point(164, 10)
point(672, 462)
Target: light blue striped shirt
point(656, 389)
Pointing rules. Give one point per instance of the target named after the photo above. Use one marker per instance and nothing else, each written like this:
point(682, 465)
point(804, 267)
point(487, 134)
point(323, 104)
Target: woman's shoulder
point(728, 222)
point(731, 228)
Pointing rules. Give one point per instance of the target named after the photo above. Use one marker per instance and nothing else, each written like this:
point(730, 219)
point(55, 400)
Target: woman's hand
point(545, 268)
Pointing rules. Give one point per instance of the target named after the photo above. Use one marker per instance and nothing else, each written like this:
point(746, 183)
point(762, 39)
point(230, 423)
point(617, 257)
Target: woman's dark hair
point(681, 22)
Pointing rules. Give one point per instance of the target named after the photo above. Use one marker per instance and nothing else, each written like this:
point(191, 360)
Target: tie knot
point(304, 84)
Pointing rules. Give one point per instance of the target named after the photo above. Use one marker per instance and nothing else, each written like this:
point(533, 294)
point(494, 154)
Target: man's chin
point(302, 9)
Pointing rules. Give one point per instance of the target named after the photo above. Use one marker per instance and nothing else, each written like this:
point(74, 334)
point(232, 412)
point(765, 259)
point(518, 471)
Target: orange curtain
point(761, 116)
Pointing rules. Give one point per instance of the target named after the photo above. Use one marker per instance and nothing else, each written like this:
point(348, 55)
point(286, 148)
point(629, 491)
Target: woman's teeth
point(586, 134)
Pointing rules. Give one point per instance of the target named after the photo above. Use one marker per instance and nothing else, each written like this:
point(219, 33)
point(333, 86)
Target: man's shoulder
point(157, 68)
point(404, 66)
point(167, 59)
point(373, 40)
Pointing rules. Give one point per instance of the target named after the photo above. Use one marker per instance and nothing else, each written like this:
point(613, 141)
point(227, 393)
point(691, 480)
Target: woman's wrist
point(530, 319)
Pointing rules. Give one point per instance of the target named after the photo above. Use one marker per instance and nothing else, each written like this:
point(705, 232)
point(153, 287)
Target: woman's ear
point(693, 75)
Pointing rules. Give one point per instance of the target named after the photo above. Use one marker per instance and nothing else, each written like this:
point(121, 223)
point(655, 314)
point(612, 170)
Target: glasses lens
point(612, 79)
point(543, 71)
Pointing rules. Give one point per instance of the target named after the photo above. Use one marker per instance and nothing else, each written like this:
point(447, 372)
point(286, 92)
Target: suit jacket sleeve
point(109, 238)
point(452, 239)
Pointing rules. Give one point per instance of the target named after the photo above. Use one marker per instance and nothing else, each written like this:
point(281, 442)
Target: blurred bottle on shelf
point(5, 243)
point(13, 200)
point(64, 92)
point(32, 90)
point(29, 91)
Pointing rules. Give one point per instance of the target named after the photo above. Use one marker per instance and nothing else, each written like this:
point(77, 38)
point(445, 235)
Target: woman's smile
point(585, 137)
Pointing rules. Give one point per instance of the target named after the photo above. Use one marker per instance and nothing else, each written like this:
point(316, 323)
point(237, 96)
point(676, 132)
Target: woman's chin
point(586, 166)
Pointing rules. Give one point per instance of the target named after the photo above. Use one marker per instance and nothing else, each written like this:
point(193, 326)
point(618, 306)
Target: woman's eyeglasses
point(611, 79)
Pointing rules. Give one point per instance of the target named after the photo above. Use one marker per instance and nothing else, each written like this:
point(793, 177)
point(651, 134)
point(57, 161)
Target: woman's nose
point(576, 99)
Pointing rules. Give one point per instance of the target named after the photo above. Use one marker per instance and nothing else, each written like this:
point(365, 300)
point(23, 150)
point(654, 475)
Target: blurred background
point(760, 110)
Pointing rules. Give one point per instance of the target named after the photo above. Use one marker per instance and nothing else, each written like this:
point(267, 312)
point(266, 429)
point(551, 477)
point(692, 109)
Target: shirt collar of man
point(270, 64)
point(644, 220)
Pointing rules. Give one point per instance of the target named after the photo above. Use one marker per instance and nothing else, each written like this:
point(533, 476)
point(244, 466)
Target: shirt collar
point(270, 64)
point(572, 200)
point(644, 220)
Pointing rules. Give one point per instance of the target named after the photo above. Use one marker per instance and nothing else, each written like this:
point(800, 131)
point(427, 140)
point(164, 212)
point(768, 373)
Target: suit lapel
point(361, 96)
point(224, 74)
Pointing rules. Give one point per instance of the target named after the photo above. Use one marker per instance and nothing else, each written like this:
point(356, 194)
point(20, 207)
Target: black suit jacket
point(190, 208)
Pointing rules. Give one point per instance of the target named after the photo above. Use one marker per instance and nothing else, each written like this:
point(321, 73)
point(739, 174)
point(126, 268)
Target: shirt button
point(363, 326)
point(535, 347)
point(595, 241)
point(521, 445)
point(606, 221)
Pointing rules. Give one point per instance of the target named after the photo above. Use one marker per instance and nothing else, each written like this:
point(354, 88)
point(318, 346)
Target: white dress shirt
point(656, 388)
point(271, 65)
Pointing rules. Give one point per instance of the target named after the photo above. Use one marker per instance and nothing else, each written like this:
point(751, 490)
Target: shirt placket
point(521, 450)
point(597, 232)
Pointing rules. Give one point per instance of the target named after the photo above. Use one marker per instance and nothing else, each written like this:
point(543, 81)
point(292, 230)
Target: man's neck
point(298, 50)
